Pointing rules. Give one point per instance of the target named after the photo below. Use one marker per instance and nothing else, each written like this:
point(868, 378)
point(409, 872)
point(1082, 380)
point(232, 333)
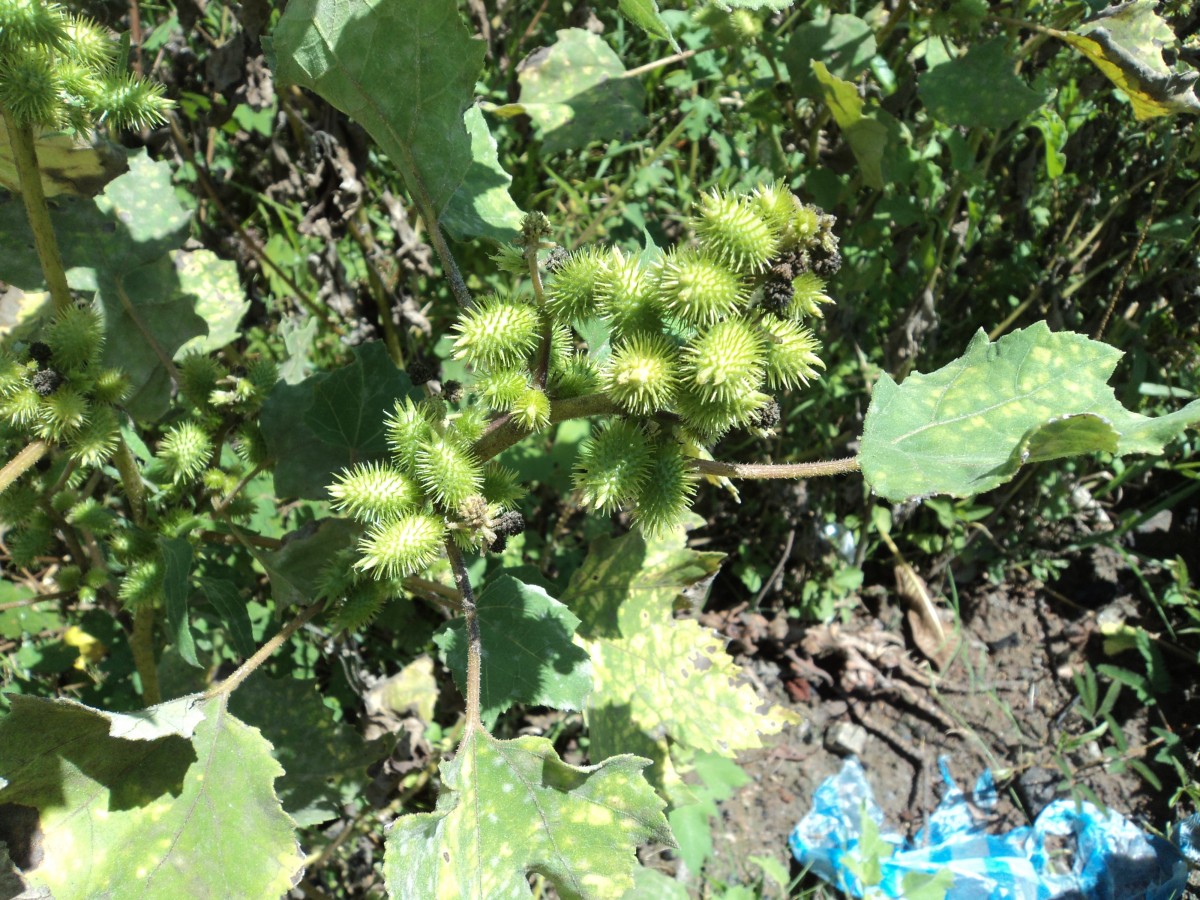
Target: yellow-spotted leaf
point(1032, 395)
point(509, 809)
point(175, 801)
point(674, 679)
point(625, 584)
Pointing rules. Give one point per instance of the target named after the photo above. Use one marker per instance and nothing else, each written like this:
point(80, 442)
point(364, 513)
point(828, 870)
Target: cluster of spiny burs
point(56, 390)
point(699, 338)
point(59, 70)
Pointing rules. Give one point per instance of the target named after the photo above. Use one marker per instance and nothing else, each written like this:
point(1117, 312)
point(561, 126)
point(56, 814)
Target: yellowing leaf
point(674, 679)
point(511, 808)
point(625, 584)
point(1125, 42)
point(159, 803)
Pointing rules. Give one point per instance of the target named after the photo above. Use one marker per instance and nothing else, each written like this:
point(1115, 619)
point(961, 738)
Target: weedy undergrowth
point(663, 350)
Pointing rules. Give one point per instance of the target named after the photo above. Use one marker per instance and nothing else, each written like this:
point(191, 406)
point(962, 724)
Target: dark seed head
point(510, 523)
point(422, 370)
point(47, 381)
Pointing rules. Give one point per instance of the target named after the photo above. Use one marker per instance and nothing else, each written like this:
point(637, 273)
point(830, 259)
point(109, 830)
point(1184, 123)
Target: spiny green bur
point(698, 336)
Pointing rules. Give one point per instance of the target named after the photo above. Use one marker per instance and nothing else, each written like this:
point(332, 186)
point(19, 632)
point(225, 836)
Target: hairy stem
point(131, 480)
point(25, 159)
point(22, 463)
point(461, 294)
point(474, 641)
point(246, 669)
point(142, 645)
point(784, 470)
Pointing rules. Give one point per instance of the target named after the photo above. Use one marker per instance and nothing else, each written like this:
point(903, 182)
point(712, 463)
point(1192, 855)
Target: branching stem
point(246, 669)
point(24, 151)
point(474, 641)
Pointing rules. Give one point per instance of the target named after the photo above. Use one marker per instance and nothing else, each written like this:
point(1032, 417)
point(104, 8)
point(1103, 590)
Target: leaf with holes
point(143, 804)
point(528, 653)
point(863, 131)
point(508, 809)
point(1033, 395)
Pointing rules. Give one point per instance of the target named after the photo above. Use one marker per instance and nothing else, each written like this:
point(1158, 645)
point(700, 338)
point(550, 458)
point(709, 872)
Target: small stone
point(845, 739)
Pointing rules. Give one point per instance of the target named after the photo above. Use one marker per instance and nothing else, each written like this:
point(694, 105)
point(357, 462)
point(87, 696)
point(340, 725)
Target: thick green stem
point(142, 645)
point(25, 159)
point(22, 463)
point(474, 641)
point(131, 480)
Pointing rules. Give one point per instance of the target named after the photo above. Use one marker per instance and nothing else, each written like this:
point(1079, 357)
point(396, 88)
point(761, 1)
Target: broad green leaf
point(295, 569)
point(69, 163)
point(844, 44)
point(645, 15)
point(177, 572)
point(331, 420)
point(979, 88)
point(625, 584)
point(406, 72)
point(575, 93)
point(675, 679)
point(220, 300)
point(324, 761)
point(508, 809)
point(227, 600)
point(865, 134)
point(486, 208)
point(117, 245)
point(528, 653)
point(1126, 43)
point(1032, 395)
point(175, 801)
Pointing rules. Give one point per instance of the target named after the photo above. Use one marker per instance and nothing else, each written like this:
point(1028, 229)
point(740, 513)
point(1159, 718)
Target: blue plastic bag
point(1072, 849)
